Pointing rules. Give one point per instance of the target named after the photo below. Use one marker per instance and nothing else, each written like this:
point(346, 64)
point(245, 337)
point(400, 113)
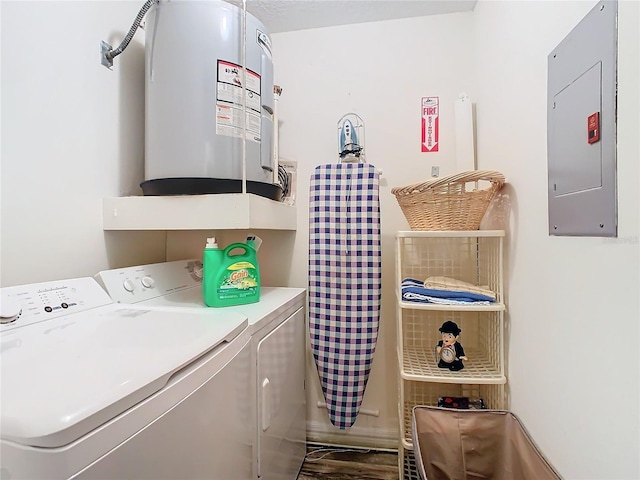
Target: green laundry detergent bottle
point(230, 278)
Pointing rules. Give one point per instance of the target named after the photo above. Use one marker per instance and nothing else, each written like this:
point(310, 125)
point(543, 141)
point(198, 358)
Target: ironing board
point(344, 282)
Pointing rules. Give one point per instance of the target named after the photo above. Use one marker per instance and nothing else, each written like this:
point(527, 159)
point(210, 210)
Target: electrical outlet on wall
point(435, 171)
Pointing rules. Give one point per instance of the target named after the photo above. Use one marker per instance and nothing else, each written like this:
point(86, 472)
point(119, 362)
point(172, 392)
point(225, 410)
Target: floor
point(333, 463)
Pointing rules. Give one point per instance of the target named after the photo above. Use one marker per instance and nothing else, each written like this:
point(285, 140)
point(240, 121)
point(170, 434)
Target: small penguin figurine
point(449, 352)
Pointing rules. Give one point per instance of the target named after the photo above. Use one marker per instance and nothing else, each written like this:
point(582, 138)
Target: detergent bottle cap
point(254, 241)
point(212, 243)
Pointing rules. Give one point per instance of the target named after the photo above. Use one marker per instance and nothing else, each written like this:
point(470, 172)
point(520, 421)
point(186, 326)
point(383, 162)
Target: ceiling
point(289, 15)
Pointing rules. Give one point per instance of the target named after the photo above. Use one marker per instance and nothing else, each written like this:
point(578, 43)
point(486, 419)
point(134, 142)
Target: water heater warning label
point(229, 102)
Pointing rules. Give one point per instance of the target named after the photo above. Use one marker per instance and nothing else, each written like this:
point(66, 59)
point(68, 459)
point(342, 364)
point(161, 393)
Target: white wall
point(574, 367)
point(379, 71)
point(72, 133)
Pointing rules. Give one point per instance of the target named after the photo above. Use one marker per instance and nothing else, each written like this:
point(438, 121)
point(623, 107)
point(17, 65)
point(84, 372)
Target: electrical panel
point(581, 127)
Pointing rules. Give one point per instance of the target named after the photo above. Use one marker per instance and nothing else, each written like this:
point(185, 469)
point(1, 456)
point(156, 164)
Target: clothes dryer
point(277, 328)
point(93, 389)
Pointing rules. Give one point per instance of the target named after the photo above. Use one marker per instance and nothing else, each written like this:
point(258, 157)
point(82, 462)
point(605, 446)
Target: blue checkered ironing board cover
point(344, 282)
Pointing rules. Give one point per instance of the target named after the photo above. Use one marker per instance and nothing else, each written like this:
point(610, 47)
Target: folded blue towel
point(413, 291)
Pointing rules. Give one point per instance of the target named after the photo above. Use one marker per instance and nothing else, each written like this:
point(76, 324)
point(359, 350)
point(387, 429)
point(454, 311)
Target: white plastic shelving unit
point(197, 212)
point(471, 256)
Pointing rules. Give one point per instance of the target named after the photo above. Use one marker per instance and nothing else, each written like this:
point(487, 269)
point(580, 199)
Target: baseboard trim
point(358, 437)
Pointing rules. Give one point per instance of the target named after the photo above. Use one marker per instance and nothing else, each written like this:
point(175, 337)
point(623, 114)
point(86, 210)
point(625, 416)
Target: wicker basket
point(454, 202)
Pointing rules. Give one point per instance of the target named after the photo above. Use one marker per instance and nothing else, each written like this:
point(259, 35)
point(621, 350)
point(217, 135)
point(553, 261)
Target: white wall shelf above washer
point(229, 211)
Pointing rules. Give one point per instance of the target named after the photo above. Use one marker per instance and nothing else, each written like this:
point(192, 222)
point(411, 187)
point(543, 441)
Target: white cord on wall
point(244, 96)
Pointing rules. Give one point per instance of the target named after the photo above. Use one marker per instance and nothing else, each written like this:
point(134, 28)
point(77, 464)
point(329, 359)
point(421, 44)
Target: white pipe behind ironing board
point(363, 411)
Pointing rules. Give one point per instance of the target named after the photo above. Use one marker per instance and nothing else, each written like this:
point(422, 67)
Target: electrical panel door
point(581, 127)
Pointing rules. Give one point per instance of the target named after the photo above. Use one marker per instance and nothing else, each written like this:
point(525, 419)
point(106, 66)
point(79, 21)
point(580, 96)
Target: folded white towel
point(454, 285)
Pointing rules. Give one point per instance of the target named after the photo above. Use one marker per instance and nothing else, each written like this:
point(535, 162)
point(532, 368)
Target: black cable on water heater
point(283, 178)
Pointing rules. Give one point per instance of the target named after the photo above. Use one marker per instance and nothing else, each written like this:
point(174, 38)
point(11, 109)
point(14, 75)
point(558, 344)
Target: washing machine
point(93, 389)
point(277, 329)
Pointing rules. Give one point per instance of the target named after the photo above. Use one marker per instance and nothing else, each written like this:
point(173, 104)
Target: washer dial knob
point(10, 309)
point(128, 285)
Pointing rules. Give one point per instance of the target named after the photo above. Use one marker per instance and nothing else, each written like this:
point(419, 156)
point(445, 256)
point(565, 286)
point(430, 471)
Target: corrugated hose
point(111, 54)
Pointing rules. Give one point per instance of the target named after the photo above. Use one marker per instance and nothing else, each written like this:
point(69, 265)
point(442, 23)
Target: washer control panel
point(144, 282)
point(27, 304)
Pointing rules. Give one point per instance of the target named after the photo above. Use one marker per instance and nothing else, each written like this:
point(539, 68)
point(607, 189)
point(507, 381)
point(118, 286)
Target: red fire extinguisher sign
point(430, 128)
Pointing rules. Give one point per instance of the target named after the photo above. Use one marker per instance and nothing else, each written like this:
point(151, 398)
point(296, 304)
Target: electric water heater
point(195, 136)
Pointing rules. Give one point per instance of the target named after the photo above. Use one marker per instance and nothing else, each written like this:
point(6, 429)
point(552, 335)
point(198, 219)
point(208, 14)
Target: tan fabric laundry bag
point(454, 444)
